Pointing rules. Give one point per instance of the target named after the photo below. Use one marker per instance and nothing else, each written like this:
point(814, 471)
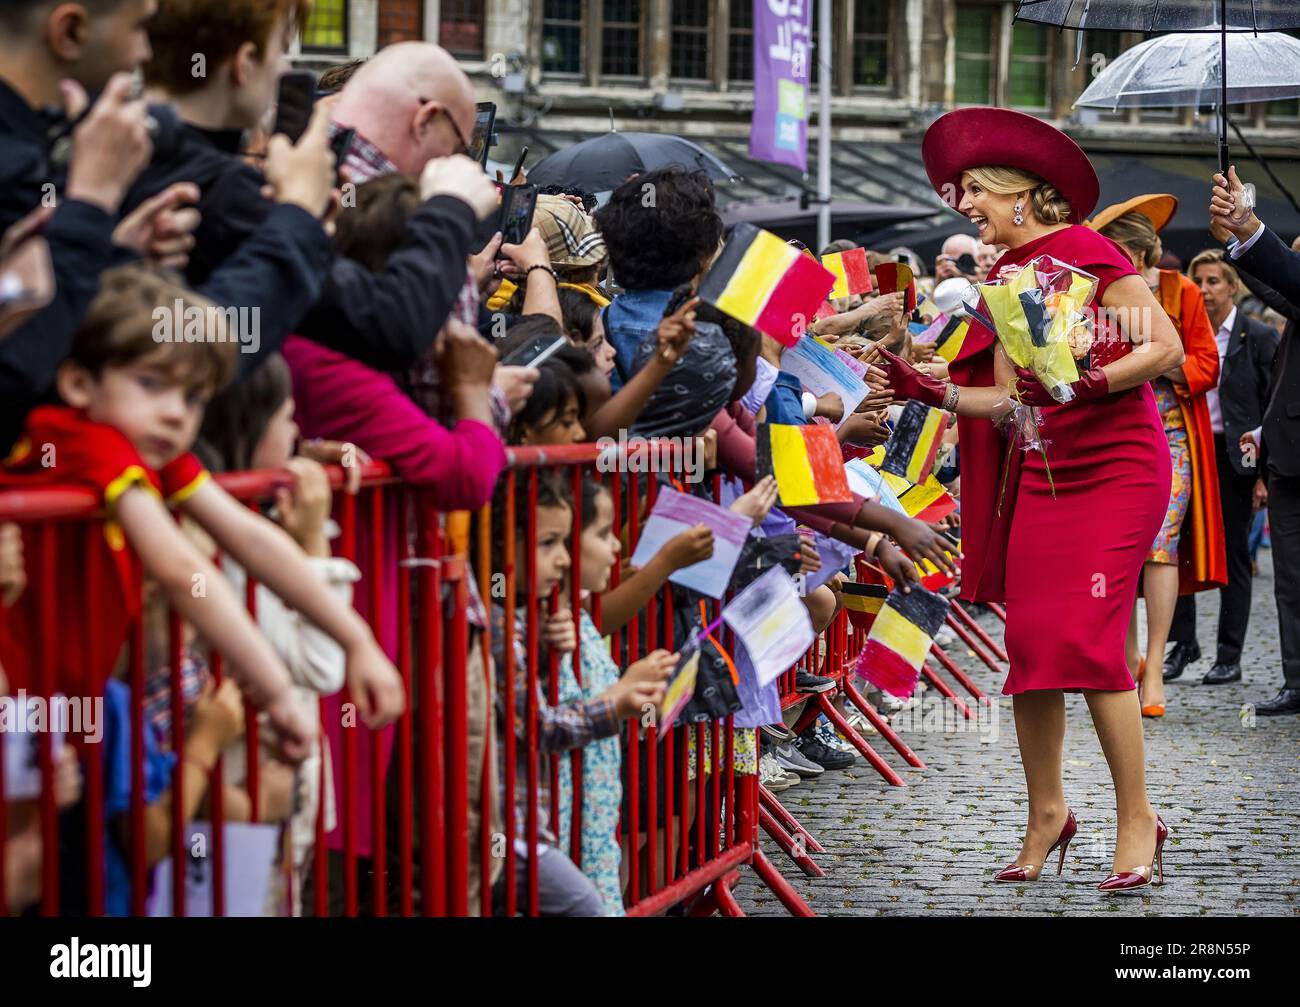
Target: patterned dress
point(602, 789)
point(1165, 548)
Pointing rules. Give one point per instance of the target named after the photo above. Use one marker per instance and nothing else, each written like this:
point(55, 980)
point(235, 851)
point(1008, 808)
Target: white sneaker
point(772, 776)
point(860, 723)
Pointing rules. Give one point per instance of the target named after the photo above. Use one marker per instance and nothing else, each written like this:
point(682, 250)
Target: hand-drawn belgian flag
point(911, 448)
point(949, 342)
point(767, 284)
point(900, 639)
point(863, 602)
point(851, 271)
point(893, 277)
point(806, 463)
point(927, 501)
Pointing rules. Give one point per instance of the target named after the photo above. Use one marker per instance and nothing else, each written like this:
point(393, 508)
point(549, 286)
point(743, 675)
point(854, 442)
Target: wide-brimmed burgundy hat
point(982, 136)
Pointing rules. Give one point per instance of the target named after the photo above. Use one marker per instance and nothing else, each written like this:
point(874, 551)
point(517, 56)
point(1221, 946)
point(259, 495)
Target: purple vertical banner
point(782, 54)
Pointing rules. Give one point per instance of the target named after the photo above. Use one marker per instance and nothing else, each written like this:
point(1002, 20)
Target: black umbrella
point(1156, 16)
point(605, 162)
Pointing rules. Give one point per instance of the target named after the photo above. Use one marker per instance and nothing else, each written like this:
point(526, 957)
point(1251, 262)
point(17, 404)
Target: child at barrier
point(251, 426)
point(601, 787)
point(563, 890)
point(454, 466)
point(133, 408)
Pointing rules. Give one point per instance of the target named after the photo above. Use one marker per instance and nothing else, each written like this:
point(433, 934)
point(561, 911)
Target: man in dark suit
point(1257, 250)
point(1246, 352)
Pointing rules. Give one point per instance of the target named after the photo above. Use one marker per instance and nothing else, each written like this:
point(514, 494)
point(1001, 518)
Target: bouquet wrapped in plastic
point(1038, 313)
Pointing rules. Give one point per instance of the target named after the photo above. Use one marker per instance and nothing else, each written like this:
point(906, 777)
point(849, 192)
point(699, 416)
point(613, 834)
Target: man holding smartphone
point(956, 258)
point(410, 106)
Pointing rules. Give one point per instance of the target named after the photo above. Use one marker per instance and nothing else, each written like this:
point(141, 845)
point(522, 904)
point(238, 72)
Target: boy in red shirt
point(135, 395)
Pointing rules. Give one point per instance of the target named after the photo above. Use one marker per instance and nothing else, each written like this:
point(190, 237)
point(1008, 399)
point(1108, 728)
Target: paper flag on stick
point(929, 334)
point(892, 277)
point(820, 371)
point(771, 622)
point(863, 602)
point(900, 639)
point(675, 512)
point(765, 283)
point(912, 446)
point(681, 685)
point(851, 271)
point(927, 501)
point(806, 462)
point(948, 342)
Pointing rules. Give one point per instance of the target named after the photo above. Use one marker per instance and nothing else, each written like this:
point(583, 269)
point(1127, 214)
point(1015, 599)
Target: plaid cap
point(571, 237)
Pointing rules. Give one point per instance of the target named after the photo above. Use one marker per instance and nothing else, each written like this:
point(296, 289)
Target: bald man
point(413, 102)
point(956, 245)
point(412, 108)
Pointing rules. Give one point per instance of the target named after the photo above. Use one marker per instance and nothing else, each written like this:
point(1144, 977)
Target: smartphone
point(517, 205)
point(294, 104)
point(518, 165)
point(480, 141)
point(534, 352)
point(341, 144)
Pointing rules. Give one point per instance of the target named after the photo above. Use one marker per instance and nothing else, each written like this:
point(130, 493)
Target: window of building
point(871, 56)
point(620, 38)
point(562, 36)
point(976, 54)
point(690, 39)
point(1027, 72)
point(460, 27)
point(740, 42)
point(326, 29)
point(400, 21)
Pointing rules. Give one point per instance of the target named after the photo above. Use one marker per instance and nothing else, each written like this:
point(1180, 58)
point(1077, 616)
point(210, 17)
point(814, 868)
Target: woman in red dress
point(1066, 565)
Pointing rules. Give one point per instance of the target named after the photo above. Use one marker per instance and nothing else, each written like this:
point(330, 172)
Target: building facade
point(562, 69)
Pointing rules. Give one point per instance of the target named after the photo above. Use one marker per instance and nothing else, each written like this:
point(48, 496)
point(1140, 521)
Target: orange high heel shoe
point(1154, 709)
point(1140, 877)
point(1020, 872)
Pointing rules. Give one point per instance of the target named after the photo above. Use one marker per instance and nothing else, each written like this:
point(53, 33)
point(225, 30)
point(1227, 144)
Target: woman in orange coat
point(1188, 555)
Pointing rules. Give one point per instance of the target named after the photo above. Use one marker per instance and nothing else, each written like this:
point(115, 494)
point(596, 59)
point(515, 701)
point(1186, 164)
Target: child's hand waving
point(694, 545)
point(643, 684)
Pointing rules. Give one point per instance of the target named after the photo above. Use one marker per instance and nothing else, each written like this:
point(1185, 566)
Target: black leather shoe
point(1222, 674)
point(1179, 657)
point(1286, 701)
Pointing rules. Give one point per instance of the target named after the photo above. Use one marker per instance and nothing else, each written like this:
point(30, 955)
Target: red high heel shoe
point(1019, 872)
point(1140, 877)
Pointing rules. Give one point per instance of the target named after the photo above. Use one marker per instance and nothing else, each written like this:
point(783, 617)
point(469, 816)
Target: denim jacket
point(631, 318)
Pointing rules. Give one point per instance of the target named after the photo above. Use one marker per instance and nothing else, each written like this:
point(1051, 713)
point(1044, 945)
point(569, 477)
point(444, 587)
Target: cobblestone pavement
point(1227, 785)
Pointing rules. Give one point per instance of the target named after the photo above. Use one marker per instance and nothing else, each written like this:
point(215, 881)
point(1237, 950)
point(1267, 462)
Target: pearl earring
point(1018, 219)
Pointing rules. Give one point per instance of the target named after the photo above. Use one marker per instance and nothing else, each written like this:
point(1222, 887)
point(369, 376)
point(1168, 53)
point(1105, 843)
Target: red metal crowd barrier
point(440, 829)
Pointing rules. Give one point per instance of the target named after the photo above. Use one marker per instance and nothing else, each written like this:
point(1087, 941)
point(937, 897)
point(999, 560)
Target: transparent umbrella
point(1186, 69)
point(1219, 17)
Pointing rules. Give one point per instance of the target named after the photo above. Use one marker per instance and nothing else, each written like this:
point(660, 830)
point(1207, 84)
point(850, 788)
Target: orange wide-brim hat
point(984, 136)
point(1159, 208)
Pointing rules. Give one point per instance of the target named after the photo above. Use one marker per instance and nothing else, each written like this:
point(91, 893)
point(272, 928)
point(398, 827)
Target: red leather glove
point(909, 383)
point(1091, 385)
